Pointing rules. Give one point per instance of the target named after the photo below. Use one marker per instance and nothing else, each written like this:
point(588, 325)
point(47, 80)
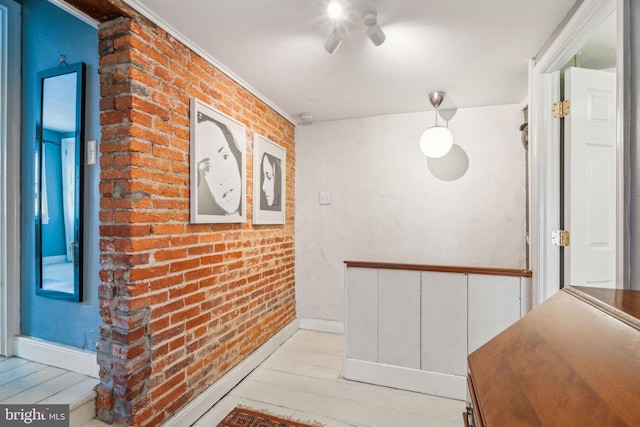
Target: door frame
point(544, 89)
point(11, 341)
point(10, 176)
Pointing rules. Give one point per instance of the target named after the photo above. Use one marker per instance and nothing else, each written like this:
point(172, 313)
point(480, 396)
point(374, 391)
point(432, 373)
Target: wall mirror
point(59, 182)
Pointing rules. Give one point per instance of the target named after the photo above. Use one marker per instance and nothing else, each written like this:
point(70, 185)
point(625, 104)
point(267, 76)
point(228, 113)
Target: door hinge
point(561, 109)
point(560, 238)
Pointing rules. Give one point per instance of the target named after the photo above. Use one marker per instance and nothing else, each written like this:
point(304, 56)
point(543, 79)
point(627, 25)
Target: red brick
point(176, 286)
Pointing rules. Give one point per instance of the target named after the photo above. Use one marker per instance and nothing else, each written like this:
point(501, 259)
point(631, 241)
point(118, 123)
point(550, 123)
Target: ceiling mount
point(436, 98)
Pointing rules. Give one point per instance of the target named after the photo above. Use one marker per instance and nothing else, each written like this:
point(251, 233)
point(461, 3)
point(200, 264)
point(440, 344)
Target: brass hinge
point(560, 238)
point(561, 109)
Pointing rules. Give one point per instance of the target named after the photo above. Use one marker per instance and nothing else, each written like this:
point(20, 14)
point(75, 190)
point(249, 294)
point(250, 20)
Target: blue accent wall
point(47, 33)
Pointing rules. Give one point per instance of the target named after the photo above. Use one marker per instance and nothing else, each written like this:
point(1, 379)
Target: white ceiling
point(477, 51)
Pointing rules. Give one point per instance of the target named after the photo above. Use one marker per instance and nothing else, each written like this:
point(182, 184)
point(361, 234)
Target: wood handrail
point(491, 271)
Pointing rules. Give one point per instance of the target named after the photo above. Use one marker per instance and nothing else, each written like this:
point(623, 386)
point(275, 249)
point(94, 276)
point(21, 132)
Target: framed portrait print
point(269, 181)
point(217, 151)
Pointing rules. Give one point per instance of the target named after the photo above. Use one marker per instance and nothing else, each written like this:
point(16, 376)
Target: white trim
point(434, 383)
point(205, 400)
point(10, 177)
point(545, 157)
point(545, 194)
point(148, 13)
point(69, 358)
point(577, 31)
point(330, 326)
point(623, 99)
point(75, 12)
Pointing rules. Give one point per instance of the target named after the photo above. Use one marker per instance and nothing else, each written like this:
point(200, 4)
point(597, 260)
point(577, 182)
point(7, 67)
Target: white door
point(590, 178)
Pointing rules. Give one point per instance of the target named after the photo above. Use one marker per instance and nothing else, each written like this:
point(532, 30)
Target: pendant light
point(436, 141)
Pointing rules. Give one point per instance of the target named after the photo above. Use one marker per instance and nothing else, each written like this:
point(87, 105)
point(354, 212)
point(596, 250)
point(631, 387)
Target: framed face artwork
point(269, 181)
point(217, 166)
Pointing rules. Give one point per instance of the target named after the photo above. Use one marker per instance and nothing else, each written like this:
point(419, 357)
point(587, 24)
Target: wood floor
point(25, 382)
point(302, 380)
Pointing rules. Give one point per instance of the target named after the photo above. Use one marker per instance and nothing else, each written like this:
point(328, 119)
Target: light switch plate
point(92, 154)
point(325, 197)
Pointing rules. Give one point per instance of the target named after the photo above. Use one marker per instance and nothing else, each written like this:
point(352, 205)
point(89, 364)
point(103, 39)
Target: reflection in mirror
point(58, 224)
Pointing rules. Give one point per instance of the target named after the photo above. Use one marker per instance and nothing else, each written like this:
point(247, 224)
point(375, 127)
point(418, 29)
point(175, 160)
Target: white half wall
point(388, 206)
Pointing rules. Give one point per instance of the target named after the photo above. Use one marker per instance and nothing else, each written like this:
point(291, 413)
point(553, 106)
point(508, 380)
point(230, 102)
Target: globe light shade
point(436, 141)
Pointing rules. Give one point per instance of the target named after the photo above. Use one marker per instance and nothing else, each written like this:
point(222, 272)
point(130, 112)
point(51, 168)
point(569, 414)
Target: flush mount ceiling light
point(341, 19)
point(436, 141)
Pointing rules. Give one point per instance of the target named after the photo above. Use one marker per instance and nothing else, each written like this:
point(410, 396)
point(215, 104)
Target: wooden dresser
point(573, 361)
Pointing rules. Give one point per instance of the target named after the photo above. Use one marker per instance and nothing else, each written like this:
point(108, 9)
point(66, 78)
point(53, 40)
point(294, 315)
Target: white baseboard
point(60, 356)
point(428, 382)
point(331, 326)
point(205, 400)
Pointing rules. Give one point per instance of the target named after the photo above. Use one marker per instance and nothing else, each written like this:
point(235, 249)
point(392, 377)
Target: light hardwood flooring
point(302, 380)
point(25, 382)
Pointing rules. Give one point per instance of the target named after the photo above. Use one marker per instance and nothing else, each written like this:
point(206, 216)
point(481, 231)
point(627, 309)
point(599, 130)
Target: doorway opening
point(547, 192)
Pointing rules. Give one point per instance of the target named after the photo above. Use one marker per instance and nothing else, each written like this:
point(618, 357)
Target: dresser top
point(574, 360)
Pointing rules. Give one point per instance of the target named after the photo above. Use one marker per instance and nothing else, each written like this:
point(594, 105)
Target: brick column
point(124, 353)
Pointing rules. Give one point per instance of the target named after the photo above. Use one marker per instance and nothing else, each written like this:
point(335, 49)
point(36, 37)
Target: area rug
point(243, 417)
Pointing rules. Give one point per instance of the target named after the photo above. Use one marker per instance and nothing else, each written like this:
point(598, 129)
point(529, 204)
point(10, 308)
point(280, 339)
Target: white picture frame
point(218, 176)
point(269, 181)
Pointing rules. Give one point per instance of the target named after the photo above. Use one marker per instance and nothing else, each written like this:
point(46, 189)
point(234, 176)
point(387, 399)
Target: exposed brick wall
point(181, 303)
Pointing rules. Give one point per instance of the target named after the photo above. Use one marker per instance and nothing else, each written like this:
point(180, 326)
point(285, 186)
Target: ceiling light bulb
point(436, 141)
point(334, 10)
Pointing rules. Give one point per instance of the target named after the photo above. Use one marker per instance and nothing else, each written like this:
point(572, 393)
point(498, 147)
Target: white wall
point(388, 206)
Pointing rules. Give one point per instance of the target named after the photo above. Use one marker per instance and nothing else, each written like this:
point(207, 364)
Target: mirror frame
point(80, 69)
